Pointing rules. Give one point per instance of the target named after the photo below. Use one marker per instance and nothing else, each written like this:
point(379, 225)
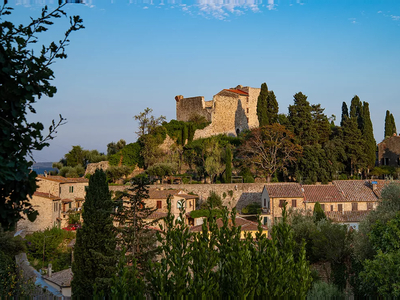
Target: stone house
point(350, 218)
point(61, 281)
point(158, 199)
point(230, 112)
point(273, 197)
point(389, 152)
point(246, 227)
point(54, 199)
point(49, 208)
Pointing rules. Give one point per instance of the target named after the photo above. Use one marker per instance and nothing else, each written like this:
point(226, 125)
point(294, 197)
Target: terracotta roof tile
point(46, 195)
point(61, 179)
point(284, 190)
point(347, 216)
point(237, 91)
point(322, 193)
point(356, 190)
point(380, 185)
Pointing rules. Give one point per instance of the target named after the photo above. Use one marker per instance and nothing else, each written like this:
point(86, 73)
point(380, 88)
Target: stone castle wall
point(389, 151)
point(229, 112)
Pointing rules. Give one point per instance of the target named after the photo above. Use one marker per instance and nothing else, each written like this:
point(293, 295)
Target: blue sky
point(138, 54)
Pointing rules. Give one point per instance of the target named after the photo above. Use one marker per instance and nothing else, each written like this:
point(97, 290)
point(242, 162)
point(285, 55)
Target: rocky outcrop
point(91, 168)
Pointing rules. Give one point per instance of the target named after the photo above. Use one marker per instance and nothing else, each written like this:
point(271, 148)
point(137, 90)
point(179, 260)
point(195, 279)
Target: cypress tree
point(368, 136)
point(394, 130)
point(228, 162)
point(356, 111)
point(321, 122)
point(95, 255)
point(262, 112)
point(301, 119)
point(272, 108)
point(388, 124)
point(345, 113)
point(319, 213)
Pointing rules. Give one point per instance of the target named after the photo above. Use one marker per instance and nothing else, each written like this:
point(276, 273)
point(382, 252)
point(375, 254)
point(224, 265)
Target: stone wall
point(229, 112)
point(48, 186)
point(78, 190)
point(49, 211)
point(186, 108)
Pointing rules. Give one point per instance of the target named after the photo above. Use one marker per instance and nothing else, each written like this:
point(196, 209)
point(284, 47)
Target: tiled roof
point(380, 185)
point(237, 91)
point(356, 190)
point(284, 190)
point(322, 193)
point(347, 216)
point(163, 194)
point(246, 225)
point(61, 179)
point(46, 195)
point(62, 278)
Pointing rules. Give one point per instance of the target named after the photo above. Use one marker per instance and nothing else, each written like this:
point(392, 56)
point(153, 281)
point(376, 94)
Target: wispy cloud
point(395, 18)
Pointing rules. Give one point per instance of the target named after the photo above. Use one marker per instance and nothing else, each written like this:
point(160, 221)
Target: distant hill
point(40, 167)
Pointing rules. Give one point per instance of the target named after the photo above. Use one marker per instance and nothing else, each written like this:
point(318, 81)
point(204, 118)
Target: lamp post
point(44, 243)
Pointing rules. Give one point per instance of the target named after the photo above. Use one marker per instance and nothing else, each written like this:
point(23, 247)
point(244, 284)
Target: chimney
point(374, 185)
point(49, 271)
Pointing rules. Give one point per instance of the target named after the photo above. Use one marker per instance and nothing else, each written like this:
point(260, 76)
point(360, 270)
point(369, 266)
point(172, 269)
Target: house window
point(159, 204)
point(294, 203)
point(281, 203)
point(386, 161)
point(59, 206)
point(190, 203)
point(59, 190)
point(370, 206)
point(354, 206)
point(265, 202)
point(71, 189)
point(70, 205)
point(180, 204)
point(323, 207)
point(247, 110)
point(331, 207)
point(340, 207)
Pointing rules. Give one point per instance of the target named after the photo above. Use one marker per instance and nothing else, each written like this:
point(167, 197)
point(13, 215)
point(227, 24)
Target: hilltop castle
point(230, 111)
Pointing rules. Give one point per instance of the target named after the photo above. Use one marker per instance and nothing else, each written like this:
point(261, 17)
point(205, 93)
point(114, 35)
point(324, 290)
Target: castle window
point(247, 100)
point(247, 111)
point(247, 119)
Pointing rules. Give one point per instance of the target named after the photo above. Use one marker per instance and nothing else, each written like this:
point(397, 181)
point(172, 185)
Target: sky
point(137, 54)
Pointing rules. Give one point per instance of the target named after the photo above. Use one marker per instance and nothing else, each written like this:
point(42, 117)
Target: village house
point(247, 227)
point(55, 198)
point(275, 195)
point(61, 281)
point(389, 152)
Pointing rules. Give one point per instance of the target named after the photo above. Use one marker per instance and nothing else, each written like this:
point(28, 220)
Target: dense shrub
point(252, 208)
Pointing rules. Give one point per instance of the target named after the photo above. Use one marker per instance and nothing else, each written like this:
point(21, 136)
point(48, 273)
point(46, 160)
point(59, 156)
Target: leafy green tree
point(321, 123)
point(228, 164)
point(300, 117)
point(113, 148)
point(27, 78)
point(213, 200)
point(213, 164)
point(147, 122)
point(95, 255)
point(262, 112)
point(270, 148)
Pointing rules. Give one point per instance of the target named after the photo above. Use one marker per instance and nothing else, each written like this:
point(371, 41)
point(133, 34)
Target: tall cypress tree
point(394, 130)
point(228, 162)
point(95, 255)
point(262, 112)
point(301, 119)
point(345, 113)
point(356, 111)
point(368, 136)
point(272, 108)
point(388, 124)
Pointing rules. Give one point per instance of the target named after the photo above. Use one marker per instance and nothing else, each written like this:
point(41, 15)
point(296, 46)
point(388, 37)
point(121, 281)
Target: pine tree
point(321, 122)
point(262, 112)
point(272, 108)
point(368, 136)
point(95, 254)
point(135, 234)
point(301, 119)
point(345, 113)
point(228, 162)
